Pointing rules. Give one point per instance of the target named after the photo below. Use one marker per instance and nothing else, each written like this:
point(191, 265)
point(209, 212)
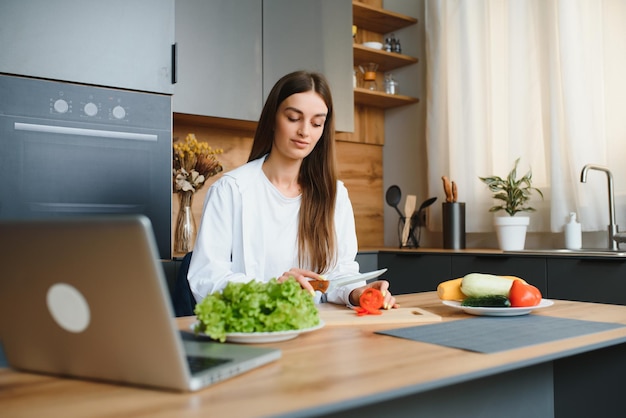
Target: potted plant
point(514, 196)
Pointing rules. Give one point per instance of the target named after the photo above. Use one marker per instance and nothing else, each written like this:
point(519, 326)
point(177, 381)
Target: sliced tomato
point(371, 300)
point(360, 311)
point(522, 295)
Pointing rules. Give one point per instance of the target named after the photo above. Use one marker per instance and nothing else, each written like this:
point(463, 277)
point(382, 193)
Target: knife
point(450, 189)
point(447, 188)
point(455, 192)
point(326, 286)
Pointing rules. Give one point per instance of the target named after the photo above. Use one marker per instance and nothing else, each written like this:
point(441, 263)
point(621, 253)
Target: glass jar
point(391, 85)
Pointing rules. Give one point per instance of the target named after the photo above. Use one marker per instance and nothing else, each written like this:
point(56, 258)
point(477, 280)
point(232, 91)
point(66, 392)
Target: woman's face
point(299, 124)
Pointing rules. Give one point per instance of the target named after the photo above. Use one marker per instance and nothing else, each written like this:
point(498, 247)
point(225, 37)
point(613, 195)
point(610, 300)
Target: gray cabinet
point(583, 278)
point(411, 272)
point(311, 35)
point(114, 43)
point(231, 53)
point(587, 279)
point(531, 269)
point(220, 58)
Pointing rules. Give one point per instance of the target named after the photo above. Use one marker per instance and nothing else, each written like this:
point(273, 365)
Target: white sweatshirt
point(249, 229)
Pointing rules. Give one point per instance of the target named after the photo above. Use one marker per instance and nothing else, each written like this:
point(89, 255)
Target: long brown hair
point(317, 248)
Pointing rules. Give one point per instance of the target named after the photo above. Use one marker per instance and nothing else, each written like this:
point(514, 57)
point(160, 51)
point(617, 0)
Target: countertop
point(323, 372)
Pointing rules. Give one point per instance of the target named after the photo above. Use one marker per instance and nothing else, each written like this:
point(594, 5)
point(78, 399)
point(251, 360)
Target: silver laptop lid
point(88, 298)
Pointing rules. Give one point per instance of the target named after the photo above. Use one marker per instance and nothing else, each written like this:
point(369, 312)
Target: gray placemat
point(493, 334)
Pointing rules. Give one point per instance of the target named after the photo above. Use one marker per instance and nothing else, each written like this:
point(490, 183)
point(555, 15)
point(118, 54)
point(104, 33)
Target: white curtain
point(540, 80)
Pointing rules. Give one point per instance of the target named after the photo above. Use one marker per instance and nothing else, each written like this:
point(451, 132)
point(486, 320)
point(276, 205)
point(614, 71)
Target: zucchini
point(491, 301)
point(479, 284)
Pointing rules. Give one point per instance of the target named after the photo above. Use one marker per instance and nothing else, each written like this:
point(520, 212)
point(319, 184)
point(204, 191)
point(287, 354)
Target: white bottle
point(573, 234)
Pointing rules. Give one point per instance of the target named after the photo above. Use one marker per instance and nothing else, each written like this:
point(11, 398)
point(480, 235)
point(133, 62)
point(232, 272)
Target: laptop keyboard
point(199, 364)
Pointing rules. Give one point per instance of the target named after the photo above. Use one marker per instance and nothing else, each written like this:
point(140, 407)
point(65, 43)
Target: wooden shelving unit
point(380, 22)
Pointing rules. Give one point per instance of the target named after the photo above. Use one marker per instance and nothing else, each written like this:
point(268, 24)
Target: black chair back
point(182, 299)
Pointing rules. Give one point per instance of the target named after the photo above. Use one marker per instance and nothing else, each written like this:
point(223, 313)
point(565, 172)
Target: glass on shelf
point(369, 75)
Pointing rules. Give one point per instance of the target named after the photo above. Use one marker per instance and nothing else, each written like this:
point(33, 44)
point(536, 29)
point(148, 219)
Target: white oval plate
point(484, 311)
point(264, 337)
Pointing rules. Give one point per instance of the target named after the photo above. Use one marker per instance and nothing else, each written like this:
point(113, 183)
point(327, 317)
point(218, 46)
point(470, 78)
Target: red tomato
point(371, 300)
point(522, 295)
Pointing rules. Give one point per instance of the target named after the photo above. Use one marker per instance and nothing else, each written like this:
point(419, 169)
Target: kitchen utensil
point(447, 188)
point(393, 196)
point(326, 286)
point(450, 189)
point(426, 203)
point(409, 208)
point(418, 220)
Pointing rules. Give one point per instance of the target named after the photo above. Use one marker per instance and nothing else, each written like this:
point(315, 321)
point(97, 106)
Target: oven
point(77, 150)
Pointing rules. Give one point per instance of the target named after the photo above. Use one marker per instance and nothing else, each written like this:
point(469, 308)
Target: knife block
point(453, 215)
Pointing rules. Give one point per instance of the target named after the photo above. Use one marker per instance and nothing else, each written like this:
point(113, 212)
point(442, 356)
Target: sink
point(590, 252)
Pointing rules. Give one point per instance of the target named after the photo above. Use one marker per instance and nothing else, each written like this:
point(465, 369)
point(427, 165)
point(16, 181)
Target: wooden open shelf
point(379, 20)
point(386, 61)
point(381, 100)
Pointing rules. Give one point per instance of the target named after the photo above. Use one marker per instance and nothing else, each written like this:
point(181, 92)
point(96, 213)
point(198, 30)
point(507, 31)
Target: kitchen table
point(349, 370)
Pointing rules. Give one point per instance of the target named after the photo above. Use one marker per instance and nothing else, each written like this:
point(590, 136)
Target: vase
point(511, 232)
point(185, 231)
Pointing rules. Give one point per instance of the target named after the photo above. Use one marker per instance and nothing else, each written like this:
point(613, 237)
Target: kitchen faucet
point(614, 236)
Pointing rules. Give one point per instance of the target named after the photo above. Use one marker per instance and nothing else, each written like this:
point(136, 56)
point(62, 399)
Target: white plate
point(483, 311)
point(264, 337)
point(375, 45)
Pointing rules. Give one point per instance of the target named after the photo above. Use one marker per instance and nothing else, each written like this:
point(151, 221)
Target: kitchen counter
point(542, 252)
point(351, 371)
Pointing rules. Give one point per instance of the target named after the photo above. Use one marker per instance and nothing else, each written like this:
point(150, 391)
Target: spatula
point(409, 208)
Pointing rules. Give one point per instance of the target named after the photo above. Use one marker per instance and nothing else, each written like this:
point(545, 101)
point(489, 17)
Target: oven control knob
point(118, 112)
point(91, 109)
point(61, 106)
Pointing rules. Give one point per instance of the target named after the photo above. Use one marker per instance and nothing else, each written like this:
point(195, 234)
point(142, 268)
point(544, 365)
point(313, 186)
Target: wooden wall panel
point(236, 143)
point(361, 169)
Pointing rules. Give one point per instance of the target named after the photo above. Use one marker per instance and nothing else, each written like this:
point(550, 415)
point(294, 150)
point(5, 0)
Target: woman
point(284, 213)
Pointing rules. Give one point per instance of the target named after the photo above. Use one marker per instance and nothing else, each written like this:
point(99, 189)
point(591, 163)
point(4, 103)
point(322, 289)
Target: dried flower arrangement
point(194, 162)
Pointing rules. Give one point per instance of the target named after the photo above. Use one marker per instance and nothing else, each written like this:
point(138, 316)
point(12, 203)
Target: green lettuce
point(256, 307)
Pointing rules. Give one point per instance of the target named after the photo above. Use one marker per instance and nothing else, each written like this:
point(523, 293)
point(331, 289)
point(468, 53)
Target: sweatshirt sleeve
point(211, 268)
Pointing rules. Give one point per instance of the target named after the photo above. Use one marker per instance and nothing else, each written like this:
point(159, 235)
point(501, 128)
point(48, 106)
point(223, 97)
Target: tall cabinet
point(220, 58)
point(232, 52)
point(311, 35)
point(115, 43)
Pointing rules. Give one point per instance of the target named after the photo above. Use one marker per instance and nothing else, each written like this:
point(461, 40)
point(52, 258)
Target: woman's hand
point(383, 286)
point(302, 276)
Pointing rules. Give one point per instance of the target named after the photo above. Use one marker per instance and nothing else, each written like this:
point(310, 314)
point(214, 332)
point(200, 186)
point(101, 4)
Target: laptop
point(87, 298)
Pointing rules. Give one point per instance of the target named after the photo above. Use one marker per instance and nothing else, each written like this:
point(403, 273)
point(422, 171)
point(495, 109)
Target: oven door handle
point(66, 130)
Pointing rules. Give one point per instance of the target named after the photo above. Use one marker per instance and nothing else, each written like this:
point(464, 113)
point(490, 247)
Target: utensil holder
point(453, 214)
point(413, 241)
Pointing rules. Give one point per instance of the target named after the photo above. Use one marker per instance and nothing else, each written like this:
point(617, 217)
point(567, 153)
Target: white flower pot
point(511, 232)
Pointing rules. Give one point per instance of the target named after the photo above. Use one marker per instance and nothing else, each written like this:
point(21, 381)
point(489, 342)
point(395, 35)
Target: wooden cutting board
point(333, 316)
